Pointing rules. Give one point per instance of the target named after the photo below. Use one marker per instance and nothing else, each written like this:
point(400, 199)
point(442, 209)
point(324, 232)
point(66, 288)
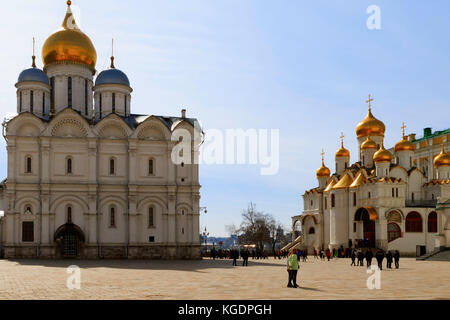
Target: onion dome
point(33, 75)
point(404, 144)
point(112, 76)
point(382, 155)
point(342, 152)
point(370, 126)
point(69, 44)
point(323, 171)
point(369, 144)
point(442, 159)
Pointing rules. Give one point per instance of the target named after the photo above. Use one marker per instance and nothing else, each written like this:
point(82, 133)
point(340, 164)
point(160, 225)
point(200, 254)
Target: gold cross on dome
point(369, 101)
point(323, 154)
point(342, 137)
point(403, 128)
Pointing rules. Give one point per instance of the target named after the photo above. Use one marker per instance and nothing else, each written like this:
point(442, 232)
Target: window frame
point(151, 217)
point(413, 222)
point(28, 232)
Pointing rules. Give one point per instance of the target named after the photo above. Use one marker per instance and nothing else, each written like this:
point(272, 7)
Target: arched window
point(113, 103)
point(333, 201)
point(396, 192)
point(20, 101)
point(368, 195)
point(151, 169)
point(394, 231)
point(413, 222)
point(311, 230)
point(31, 101)
point(112, 217)
point(432, 222)
point(69, 214)
point(151, 217)
point(43, 103)
point(69, 166)
point(112, 166)
point(393, 192)
point(100, 105)
point(28, 165)
point(69, 92)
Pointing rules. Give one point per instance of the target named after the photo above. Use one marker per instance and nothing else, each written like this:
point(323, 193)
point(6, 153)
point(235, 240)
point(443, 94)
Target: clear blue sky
point(304, 67)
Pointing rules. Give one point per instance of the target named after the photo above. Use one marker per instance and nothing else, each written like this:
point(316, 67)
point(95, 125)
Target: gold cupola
point(404, 144)
point(69, 44)
point(369, 144)
point(370, 126)
point(382, 155)
point(323, 171)
point(342, 152)
point(442, 159)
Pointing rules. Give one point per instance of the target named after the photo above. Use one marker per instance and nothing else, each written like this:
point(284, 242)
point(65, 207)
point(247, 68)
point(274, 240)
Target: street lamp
point(205, 236)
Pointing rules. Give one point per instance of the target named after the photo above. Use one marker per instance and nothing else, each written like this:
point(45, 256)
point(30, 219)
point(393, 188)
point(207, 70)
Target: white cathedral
point(86, 177)
point(397, 200)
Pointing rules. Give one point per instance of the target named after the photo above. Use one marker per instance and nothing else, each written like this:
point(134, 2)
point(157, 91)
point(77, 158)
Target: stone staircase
point(297, 243)
point(440, 255)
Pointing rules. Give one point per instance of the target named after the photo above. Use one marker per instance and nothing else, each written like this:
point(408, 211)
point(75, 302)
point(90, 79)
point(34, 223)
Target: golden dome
point(323, 171)
point(442, 159)
point(369, 144)
point(342, 152)
point(382, 155)
point(404, 145)
point(69, 44)
point(370, 126)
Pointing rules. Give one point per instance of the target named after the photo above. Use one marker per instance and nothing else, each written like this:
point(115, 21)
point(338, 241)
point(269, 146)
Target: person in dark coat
point(369, 257)
point(380, 256)
point(353, 256)
point(389, 258)
point(396, 258)
point(244, 255)
point(360, 258)
point(234, 256)
point(328, 253)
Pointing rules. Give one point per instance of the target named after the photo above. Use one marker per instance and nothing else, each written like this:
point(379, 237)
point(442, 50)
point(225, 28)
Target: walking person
point(353, 256)
point(234, 255)
point(380, 256)
point(244, 256)
point(369, 257)
point(396, 258)
point(360, 258)
point(315, 254)
point(292, 268)
point(389, 258)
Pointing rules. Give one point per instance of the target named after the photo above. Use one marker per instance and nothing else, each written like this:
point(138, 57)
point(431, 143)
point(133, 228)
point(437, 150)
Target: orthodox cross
point(369, 101)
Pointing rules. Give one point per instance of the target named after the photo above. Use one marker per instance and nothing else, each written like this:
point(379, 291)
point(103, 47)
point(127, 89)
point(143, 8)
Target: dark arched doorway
point(69, 238)
point(367, 215)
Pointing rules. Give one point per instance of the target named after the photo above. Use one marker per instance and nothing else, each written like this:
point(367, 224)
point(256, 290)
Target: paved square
point(208, 279)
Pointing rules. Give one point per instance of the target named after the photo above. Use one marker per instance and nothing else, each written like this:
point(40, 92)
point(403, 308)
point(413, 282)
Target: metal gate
point(70, 245)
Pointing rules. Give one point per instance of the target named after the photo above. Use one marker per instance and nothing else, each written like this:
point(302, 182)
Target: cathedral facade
point(396, 199)
point(86, 177)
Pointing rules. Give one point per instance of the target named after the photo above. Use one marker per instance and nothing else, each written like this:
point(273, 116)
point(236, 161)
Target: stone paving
point(208, 279)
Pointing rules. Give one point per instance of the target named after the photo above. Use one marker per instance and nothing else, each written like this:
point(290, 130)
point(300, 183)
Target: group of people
point(358, 254)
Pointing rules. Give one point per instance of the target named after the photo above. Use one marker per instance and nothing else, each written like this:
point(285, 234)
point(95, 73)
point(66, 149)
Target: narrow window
point(354, 226)
point(20, 102)
point(113, 103)
point(69, 165)
point(27, 231)
point(31, 101)
point(69, 92)
point(354, 199)
point(182, 230)
point(151, 217)
point(151, 239)
point(150, 167)
point(69, 214)
point(28, 164)
point(393, 193)
point(100, 104)
point(86, 97)
point(112, 217)
point(432, 222)
point(52, 93)
point(396, 192)
point(326, 203)
point(412, 196)
point(43, 103)
point(112, 165)
point(333, 204)
point(369, 195)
